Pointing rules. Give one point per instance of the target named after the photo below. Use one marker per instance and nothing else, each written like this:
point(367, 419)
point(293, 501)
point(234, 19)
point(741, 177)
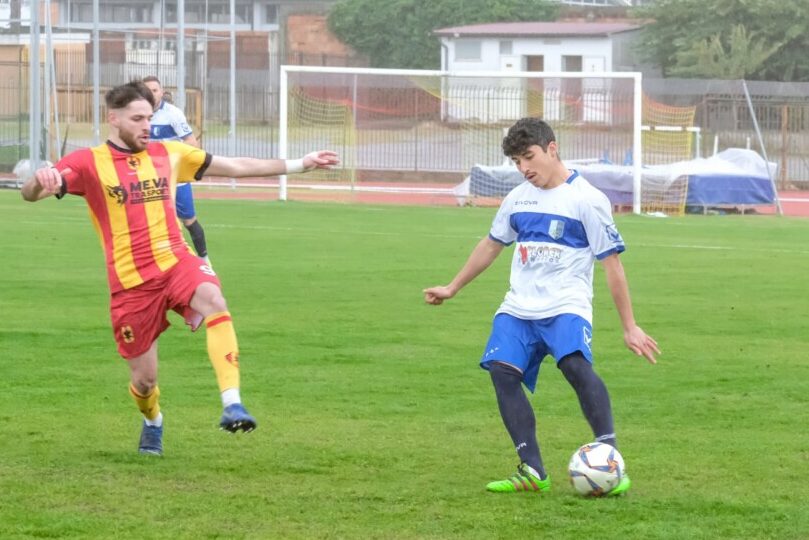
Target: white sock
point(157, 422)
point(231, 396)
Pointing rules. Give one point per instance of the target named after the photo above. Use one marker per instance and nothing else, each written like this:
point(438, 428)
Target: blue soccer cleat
point(151, 440)
point(236, 418)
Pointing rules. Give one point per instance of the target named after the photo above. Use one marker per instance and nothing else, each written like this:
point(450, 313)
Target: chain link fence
point(723, 114)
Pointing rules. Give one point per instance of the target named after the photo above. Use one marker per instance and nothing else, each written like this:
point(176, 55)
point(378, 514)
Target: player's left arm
point(239, 167)
point(635, 338)
point(191, 139)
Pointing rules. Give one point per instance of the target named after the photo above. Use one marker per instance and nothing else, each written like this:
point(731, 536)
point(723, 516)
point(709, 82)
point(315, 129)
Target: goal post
point(422, 131)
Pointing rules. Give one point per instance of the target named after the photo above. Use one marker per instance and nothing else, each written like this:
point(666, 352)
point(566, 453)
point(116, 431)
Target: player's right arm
point(45, 182)
point(479, 260)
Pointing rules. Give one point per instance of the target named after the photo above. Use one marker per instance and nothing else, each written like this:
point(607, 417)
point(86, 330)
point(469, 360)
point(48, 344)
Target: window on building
point(81, 11)
point(506, 46)
point(468, 50)
point(271, 14)
point(217, 11)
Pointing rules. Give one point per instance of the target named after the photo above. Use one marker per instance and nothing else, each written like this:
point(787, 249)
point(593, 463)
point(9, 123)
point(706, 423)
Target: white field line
point(323, 232)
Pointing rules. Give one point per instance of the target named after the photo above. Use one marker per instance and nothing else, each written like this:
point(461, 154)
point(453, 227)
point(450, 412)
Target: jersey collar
point(119, 148)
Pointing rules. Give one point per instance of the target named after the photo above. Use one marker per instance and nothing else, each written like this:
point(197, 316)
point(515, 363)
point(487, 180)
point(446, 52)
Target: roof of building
point(537, 29)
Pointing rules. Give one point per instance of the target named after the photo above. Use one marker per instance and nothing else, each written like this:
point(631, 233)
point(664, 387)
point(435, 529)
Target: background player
point(128, 184)
point(170, 124)
point(561, 225)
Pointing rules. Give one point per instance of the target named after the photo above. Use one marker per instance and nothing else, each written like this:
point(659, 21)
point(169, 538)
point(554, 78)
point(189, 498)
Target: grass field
point(374, 419)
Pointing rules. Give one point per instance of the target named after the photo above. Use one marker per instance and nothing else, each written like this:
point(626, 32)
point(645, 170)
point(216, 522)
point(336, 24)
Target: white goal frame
point(637, 152)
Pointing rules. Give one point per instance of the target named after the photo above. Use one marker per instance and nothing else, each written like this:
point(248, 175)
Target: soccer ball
point(595, 469)
point(24, 170)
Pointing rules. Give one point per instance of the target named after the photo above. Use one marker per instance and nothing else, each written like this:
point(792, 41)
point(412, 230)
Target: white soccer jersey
point(169, 124)
point(559, 234)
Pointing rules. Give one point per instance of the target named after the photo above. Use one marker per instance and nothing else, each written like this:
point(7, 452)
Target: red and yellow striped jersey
point(130, 197)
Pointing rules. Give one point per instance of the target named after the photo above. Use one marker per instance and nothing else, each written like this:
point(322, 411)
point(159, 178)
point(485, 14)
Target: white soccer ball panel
point(595, 469)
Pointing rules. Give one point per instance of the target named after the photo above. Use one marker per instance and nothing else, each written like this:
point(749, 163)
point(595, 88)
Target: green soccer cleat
point(622, 487)
point(526, 479)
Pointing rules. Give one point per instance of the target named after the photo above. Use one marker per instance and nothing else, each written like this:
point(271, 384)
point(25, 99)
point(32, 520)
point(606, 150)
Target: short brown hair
point(152, 78)
point(121, 96)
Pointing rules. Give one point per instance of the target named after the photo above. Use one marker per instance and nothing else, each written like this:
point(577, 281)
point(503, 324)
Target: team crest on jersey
point(556, 229)
point(133, 162)
point(118, 193)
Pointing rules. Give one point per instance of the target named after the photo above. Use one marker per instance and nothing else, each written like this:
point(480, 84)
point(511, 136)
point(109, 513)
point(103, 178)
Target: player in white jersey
point(561, 225)
point(170, 124)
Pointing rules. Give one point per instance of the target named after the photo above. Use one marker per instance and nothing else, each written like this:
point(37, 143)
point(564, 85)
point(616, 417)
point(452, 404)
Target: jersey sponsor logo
point(155, 189)
point(118, 193)
point(144, 191)
point(532, 203)
point(556, 229)
point(539, 254)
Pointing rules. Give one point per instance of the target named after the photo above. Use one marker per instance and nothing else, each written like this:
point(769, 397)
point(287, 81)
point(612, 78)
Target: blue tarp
point(711, 189)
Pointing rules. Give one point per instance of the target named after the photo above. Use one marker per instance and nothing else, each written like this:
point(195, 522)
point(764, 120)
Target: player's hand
point(322, 159)
point(639, 343)
point(437, 295)
point(50, 179)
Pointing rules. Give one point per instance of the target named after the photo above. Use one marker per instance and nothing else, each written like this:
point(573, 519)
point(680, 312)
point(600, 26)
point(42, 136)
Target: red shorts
point(139, 314)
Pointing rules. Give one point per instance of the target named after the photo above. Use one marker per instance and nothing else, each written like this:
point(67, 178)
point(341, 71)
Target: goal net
point(415, 136)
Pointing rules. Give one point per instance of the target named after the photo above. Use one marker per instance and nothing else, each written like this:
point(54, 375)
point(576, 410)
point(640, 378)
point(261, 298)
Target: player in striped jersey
point(129, 185)
point(561, 225)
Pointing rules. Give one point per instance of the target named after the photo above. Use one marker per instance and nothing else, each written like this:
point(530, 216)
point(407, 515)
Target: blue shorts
point(524, 343)
point(184, 201)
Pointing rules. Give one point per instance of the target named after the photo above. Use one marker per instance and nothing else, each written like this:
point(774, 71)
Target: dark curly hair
point(527, 132)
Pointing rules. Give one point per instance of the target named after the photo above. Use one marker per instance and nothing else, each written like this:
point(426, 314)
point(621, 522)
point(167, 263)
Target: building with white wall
point(538, 46)
point(543, 47)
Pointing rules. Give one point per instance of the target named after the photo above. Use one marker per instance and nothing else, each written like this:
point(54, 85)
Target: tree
point(399, 33)
point(741, 59)
point(684, 32)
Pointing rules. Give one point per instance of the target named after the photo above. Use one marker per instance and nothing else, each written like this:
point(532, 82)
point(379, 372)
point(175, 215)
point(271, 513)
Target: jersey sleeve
point(502, 230)
point(180, 124)
point(191, 162)
point(73, 182)
point(602, 234)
